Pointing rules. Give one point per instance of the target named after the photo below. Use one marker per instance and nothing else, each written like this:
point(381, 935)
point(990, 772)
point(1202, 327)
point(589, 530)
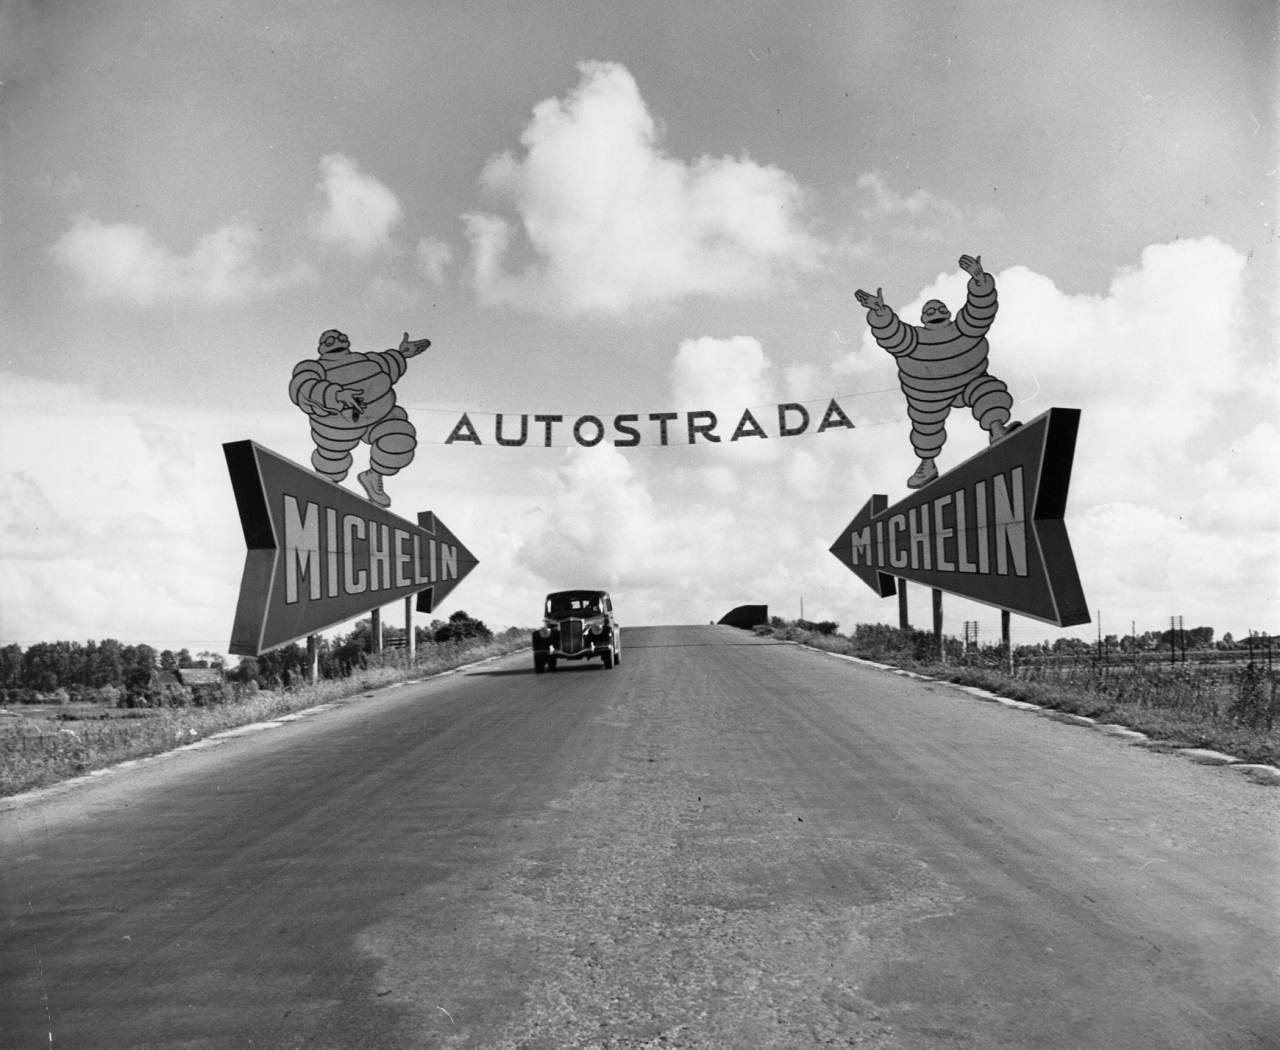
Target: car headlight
point(544, 632)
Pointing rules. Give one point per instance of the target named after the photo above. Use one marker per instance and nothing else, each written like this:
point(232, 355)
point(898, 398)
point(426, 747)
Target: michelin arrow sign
point(990, 530)
point(318, 554)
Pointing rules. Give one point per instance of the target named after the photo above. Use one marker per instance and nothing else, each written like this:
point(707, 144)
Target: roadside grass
point(1228, 710)
point(44, 746)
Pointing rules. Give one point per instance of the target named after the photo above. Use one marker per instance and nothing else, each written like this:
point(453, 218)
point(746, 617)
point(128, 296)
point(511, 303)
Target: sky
point(632, 208)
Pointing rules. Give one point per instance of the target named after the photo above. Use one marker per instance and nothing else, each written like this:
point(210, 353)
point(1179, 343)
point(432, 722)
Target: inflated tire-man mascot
point(350, 399)
point(943, 363)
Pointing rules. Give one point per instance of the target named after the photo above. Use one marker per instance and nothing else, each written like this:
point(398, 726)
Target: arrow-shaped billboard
point(990, 530)
point(318, 554)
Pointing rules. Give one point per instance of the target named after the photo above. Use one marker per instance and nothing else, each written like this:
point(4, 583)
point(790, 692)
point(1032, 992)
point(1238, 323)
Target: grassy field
point(45, 744)
point(1223, 707)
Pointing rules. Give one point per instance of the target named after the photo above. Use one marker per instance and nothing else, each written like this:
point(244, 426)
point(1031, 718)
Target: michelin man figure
point(943, 363)
point(349, 398)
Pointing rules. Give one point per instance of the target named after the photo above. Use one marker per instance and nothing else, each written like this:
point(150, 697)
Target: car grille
point(571, 636)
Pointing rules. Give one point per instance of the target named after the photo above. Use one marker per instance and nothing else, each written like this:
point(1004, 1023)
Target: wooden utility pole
point(1005, 639)
point(375, 631)
point(904, 622)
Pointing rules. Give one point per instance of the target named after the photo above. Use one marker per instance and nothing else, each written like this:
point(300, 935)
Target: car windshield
point(573, 605)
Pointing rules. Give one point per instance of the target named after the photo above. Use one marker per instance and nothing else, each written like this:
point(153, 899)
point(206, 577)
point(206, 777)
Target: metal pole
point(904, 622)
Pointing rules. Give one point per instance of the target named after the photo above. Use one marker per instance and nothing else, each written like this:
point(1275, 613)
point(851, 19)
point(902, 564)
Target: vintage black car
point(577, 625)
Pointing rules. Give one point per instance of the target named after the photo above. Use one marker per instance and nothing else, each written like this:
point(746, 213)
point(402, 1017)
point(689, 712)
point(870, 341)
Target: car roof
point(577, 594)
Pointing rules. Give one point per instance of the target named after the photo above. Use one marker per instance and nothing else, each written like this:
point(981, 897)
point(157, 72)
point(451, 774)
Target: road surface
point(723, 842)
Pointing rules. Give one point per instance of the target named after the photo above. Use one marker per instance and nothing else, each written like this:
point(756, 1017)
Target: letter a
point(748, 426)
point(463, 431)
point(834, 417)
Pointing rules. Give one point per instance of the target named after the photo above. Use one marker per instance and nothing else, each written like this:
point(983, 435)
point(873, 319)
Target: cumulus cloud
point(612, 222)
point(356, 212)
point(727, 377)
point(919, 216)
point(131, 535)
point(603, 522)
point(434, 258)
point(722, 373)
point(124, 261)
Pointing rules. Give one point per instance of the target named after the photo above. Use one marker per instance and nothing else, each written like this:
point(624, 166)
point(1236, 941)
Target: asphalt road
point(723, 842)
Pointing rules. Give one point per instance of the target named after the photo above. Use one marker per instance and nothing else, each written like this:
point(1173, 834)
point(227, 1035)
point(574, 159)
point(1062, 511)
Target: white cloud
point(920, 216)
point(722, 373)
point(599, 521)
point(124, 261)
point(356, 212)
point(434, 258)
point(132, 534)
point(614, 223)
point(728, 377)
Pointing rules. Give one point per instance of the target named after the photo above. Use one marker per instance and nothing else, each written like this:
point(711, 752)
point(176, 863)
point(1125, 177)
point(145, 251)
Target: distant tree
point(106, 663)
point(44, 665)
point(461, 627)
point(1199, 637)
point(184, 658)
point(283, 666)
point(11, 666)
point(207, 658)
point(168, 660)
point(245, 671)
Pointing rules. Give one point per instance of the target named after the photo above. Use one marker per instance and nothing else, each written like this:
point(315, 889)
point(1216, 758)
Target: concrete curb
point(1255, 771)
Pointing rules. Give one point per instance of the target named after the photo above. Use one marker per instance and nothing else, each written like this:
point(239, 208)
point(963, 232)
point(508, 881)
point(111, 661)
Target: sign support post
point(1005, 639)
point(410, 643)
point(937, 625)
point(904, 621)
point(313, 658)
point(375, 631)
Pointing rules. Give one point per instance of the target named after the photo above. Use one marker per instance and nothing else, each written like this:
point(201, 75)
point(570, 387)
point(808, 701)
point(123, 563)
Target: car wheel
point(551, 663)
point(608, 659)
point(539, 663)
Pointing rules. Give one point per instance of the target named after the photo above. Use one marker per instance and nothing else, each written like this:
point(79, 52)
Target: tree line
point(48, 666)
point(113, 672)
point(344, 654)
